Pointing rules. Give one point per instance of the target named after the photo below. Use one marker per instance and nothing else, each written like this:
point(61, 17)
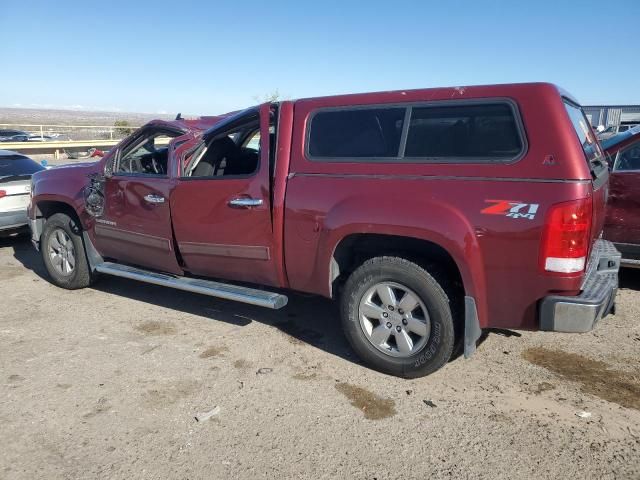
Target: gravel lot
point(106, 382)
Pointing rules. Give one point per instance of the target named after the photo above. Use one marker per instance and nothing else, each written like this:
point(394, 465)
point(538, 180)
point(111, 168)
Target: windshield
point(581, 125)
point(17, 165)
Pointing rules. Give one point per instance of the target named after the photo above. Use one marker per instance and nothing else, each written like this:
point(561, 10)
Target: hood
point(65, 171)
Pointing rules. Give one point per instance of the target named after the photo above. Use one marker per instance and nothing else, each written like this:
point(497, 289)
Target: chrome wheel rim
point(394, 319)
point(62, 253)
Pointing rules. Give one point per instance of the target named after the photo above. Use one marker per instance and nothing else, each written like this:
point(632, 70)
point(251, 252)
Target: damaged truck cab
point(428, 214)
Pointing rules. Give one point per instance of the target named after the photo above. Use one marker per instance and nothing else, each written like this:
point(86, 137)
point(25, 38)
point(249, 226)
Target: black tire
point(441, 337)
point(80, 275)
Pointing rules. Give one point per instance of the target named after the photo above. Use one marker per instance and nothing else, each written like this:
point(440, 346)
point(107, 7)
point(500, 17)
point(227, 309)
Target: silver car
point(15, 188)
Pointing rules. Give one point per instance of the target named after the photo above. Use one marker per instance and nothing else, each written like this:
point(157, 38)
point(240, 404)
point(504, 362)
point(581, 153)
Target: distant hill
point(36, 116)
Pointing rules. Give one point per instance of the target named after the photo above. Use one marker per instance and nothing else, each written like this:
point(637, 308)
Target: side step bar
point(630, 263)
point(205, 287)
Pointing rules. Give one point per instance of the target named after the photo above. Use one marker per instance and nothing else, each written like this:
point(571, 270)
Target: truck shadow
point(307, 319)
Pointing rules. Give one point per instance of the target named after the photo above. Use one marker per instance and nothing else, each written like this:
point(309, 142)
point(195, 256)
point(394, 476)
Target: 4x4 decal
point(513, 209)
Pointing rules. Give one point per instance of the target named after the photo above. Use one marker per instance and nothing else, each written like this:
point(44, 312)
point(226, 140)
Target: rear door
point(221, 205)
point(623, 214)
point(136, 225)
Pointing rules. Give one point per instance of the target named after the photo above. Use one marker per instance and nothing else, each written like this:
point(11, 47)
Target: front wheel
point(63, 253)
point(397, 317)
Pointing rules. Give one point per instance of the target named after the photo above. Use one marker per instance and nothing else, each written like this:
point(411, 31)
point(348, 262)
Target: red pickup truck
point(428, 214)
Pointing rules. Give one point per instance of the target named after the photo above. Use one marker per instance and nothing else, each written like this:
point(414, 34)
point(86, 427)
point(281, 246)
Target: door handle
point(151, 198)
point(245, 202)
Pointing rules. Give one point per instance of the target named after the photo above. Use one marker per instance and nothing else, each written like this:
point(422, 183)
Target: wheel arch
point(457, 253)
point(450, 270)
point(43, 209)
point(354, 249)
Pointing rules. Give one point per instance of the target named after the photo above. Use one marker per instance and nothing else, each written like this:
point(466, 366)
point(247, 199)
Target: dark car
point(13, 136)
point(15, 188)
point(622, 224)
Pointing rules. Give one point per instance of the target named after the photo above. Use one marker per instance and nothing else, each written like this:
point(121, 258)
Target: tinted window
point(585, 133)
point(464, 131)
point(357, 133)
point(629, 159)
point(10, 166)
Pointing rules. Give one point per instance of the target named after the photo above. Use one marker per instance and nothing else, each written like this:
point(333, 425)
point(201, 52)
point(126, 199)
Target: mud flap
point(472, 330)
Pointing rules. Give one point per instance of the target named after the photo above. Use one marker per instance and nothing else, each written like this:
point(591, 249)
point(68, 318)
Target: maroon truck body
point(316, 220)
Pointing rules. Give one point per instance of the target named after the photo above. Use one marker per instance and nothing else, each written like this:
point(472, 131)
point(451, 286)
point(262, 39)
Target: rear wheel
point(63, 253)
point(397, 317)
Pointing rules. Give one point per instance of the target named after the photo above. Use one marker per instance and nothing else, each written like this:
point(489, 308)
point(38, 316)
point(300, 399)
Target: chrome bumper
point(581, 313)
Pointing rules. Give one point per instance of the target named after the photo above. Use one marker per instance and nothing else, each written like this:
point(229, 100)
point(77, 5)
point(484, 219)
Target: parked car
point(427, 214)
point(614, 130)
point(13, 136)
point(74, 154)
point(15, 187)
point(622, 224)
point(40, 138)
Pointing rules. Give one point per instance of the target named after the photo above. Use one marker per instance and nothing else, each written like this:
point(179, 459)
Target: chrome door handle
point(151, 198)
point(245, 202)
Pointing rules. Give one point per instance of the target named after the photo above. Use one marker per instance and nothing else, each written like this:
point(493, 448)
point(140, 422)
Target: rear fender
point(433, 221)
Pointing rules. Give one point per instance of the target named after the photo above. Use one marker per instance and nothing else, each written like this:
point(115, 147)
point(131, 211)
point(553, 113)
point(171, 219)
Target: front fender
point(63, 185)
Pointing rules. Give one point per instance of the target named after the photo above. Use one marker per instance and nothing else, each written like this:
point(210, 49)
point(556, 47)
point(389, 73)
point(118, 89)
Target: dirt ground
point(106, 383)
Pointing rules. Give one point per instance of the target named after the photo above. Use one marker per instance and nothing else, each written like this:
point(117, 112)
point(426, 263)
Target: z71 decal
point(510, 208)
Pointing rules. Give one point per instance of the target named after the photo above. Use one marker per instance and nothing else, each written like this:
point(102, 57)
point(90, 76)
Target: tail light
point(3, 193)
point(566, 237)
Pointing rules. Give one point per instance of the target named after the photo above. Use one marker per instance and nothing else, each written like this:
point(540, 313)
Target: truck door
point(623, 210)
point(221, 205)
point(135, 227)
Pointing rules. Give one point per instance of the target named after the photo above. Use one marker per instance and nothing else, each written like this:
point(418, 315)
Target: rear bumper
point(13, 219)
point(581, 313)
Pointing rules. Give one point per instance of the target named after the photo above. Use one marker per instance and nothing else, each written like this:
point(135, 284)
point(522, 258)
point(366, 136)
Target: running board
point(630, 263)
point(251, 296)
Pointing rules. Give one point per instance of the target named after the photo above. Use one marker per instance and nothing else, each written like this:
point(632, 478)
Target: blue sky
point(205, 57)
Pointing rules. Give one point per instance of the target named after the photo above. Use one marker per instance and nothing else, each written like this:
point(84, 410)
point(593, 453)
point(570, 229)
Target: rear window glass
point(356, 133)
point(487, 131)
point(583, 129)
point(473, 132)
point(18, 166)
